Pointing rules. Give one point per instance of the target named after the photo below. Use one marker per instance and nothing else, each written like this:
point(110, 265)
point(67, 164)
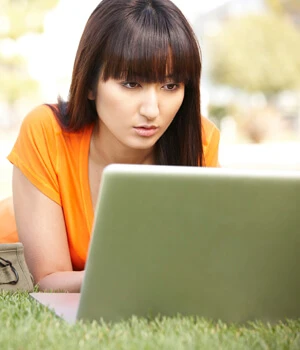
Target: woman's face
point(136, 114)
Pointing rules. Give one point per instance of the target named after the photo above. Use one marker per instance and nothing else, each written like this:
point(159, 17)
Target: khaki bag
point(14, 273)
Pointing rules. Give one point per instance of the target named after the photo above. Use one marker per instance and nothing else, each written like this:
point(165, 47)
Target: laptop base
point(65, 305)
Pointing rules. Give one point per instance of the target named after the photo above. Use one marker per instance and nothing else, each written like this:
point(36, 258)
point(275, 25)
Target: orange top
point(56, 162)
point(8, 230)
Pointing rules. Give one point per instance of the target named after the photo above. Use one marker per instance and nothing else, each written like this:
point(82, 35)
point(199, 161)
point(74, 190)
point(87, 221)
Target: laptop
point(215, 243)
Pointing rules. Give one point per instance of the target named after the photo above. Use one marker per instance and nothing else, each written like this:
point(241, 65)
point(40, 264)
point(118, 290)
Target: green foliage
point(24, 16)
point(25, 325)
point(17, 87)
point(217, 112)
point(21, 17)
point(14, 79)
point(257, 53)
point(284, 6)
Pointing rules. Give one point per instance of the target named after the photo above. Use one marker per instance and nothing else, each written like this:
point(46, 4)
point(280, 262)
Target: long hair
point(139, 40)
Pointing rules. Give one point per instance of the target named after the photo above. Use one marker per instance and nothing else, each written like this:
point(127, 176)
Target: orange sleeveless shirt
point(56, 162)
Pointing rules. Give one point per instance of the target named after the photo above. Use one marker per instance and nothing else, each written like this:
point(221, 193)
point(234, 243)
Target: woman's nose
point(149, 106)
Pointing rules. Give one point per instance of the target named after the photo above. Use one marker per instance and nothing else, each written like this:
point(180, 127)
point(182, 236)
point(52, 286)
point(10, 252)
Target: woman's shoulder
point(42, 117)
point(209, 131)
point(210, 141)
point(42, 127)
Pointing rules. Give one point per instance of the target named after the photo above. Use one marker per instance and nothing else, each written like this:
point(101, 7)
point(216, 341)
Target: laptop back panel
point(202, 242)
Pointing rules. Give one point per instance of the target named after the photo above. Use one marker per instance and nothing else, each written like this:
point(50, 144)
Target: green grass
point(25, 324)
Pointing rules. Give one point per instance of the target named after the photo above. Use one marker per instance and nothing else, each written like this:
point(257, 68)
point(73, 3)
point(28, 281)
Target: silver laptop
point(215, 243)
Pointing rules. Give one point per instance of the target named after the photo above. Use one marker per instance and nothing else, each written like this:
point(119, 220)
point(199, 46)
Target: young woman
point(134, 98)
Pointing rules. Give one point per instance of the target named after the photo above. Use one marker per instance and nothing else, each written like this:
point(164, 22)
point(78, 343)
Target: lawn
point(25, 324)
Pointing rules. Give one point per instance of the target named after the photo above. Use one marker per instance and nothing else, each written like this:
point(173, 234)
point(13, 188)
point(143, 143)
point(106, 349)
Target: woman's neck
point(105, 150)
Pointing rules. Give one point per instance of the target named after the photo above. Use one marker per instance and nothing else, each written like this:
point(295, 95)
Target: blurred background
point(250, 83)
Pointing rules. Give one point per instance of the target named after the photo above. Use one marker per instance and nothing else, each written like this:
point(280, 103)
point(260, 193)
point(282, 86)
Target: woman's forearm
point(68, 281)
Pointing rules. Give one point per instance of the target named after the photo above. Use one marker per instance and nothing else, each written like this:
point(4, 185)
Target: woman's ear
point(91, 95)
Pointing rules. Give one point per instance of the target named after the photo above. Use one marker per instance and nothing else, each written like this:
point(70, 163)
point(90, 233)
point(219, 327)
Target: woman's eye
point(131, 84)
point(171, 87)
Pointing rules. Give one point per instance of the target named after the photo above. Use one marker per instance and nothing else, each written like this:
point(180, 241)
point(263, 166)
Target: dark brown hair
point(140, 38)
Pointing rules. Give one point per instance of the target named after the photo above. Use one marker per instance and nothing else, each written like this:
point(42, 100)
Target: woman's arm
point(41, 229)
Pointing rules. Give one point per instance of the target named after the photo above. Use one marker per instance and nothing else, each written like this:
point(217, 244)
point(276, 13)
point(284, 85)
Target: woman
point(134, 98)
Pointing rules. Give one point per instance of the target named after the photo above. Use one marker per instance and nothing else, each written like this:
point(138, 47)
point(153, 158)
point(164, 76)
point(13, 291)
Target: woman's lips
point(146, 131)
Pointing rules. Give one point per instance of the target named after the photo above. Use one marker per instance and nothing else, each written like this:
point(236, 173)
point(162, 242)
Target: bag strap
point(8, 274)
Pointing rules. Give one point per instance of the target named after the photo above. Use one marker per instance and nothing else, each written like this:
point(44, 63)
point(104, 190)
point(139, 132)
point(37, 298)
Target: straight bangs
point(148, 49)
